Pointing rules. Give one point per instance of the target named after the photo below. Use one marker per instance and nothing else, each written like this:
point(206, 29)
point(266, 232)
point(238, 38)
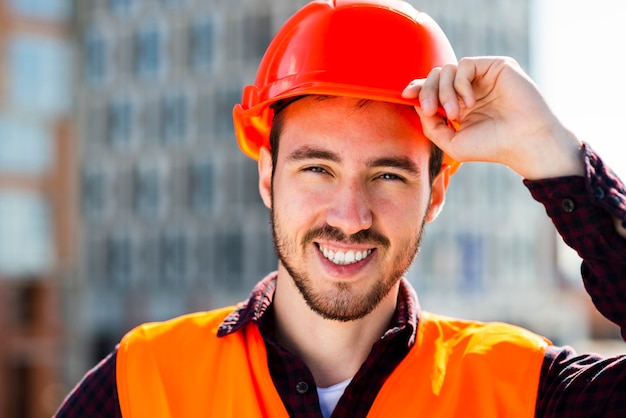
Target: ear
point(438, 194)
point(265, 176)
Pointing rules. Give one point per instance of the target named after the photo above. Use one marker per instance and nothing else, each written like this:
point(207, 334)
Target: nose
point(350, 208)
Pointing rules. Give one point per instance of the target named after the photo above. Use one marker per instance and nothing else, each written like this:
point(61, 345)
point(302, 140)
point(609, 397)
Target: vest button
point(302, 388)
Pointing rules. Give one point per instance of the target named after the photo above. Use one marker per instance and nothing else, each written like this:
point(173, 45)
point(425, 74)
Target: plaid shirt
point(570, 385)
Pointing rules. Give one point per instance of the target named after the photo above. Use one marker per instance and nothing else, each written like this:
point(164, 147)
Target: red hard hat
point(367, 49)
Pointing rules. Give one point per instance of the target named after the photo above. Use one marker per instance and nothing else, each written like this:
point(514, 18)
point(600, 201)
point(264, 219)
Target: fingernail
point(408, 93)
point(426, 105)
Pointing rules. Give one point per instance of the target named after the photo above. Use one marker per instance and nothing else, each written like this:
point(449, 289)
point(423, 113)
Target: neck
point(333, 350)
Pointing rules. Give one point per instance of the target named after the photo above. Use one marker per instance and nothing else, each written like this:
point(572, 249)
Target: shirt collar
point(252, 310)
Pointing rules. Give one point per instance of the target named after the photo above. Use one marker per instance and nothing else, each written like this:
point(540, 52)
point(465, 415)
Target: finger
point(429, 93)
point(447, 92)
point(435, 128)
point(465, 76)
point(411, 91)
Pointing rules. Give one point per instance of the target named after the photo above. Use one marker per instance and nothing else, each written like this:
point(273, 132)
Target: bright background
point(578, 49)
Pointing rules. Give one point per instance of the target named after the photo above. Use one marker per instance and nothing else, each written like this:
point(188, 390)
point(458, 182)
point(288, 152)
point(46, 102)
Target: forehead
point(352, 125)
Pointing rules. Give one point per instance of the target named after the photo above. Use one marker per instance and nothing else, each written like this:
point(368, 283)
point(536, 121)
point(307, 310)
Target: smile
point(343, 258)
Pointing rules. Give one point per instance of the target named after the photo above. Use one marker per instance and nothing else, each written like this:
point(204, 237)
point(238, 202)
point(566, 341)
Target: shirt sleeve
point(581, 386)
point(95, 395)
point(583, 210)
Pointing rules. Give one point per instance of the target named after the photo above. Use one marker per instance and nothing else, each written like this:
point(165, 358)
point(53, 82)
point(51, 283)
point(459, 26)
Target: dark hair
point(434, 164)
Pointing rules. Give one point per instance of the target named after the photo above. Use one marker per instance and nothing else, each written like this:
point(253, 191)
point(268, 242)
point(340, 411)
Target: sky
point(579, 55)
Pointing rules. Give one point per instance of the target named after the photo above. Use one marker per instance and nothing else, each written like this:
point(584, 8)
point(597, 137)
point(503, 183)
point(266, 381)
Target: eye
point(315, 169)
point(390, 177)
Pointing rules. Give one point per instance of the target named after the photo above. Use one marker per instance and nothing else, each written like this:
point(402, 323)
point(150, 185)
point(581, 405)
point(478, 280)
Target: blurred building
point(170, 217)
point(36, 201)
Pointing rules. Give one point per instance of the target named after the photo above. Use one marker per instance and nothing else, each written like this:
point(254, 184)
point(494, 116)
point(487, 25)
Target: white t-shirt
point(330, 396)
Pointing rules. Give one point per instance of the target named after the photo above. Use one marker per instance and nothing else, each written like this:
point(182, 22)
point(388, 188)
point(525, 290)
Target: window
point(250, 185)
point(26, 243)
point(118, 259)
point(202, 44)
point(25, 147)
point(93, 192)
point(30, 298)
point(42, 9)
point(23, 376)
point(203, 116)
point(102, 343)
point(229, 259)
point(121, 7)
point(151, 119)
point(173, 3)
point(257, 35)
point(95, 57)
point(39, 74)
point(201, 186)
point(225, 100)
point(120, 122)
point(148, 260)
point(173, 121)
point(471, 247)
point(95, 259)
point(148, 49)
point(202, 257)
point(148, 193)
point(173, 257)
point(266, 254)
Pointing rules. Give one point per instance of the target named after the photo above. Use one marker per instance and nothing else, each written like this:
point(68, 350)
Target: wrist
point(557, 155)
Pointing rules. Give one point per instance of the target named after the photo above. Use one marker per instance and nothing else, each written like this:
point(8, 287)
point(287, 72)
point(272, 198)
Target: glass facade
point(26, 147)
point(37, 216)
point(57, 10)
point(26, 247)
point(39, 74)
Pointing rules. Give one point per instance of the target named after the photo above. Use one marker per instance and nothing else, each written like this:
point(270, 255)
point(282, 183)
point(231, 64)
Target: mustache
point(331, 233)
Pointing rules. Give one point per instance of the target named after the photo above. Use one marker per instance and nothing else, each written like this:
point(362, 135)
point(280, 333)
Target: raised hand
point(500, 116)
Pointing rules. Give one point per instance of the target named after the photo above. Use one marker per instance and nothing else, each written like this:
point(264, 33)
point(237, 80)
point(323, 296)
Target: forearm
point(585, 211)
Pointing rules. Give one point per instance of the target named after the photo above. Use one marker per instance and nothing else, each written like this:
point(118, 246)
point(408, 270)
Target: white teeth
point(343, 258)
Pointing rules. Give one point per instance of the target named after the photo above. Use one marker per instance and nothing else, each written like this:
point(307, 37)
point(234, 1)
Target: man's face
point(349, 197)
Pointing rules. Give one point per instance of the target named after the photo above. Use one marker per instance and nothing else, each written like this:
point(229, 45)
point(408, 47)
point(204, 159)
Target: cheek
point(400, 205)
point(294, 208)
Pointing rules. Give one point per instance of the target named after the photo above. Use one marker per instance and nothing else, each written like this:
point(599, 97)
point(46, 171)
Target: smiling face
point(349, 197)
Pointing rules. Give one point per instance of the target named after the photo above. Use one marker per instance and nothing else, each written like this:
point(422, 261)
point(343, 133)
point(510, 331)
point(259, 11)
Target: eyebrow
point(307, 153)
point(402, 163)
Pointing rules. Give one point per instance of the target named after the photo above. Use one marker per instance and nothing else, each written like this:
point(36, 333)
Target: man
point(348, 124)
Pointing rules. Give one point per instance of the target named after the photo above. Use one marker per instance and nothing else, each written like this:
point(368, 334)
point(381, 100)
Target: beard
point(345, 301)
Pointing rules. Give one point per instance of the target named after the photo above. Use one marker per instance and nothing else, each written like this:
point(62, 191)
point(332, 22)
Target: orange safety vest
point(180, 368)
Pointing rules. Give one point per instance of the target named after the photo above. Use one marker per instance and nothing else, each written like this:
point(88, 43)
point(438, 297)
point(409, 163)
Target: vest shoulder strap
point(181, 368)
point(465, 368)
